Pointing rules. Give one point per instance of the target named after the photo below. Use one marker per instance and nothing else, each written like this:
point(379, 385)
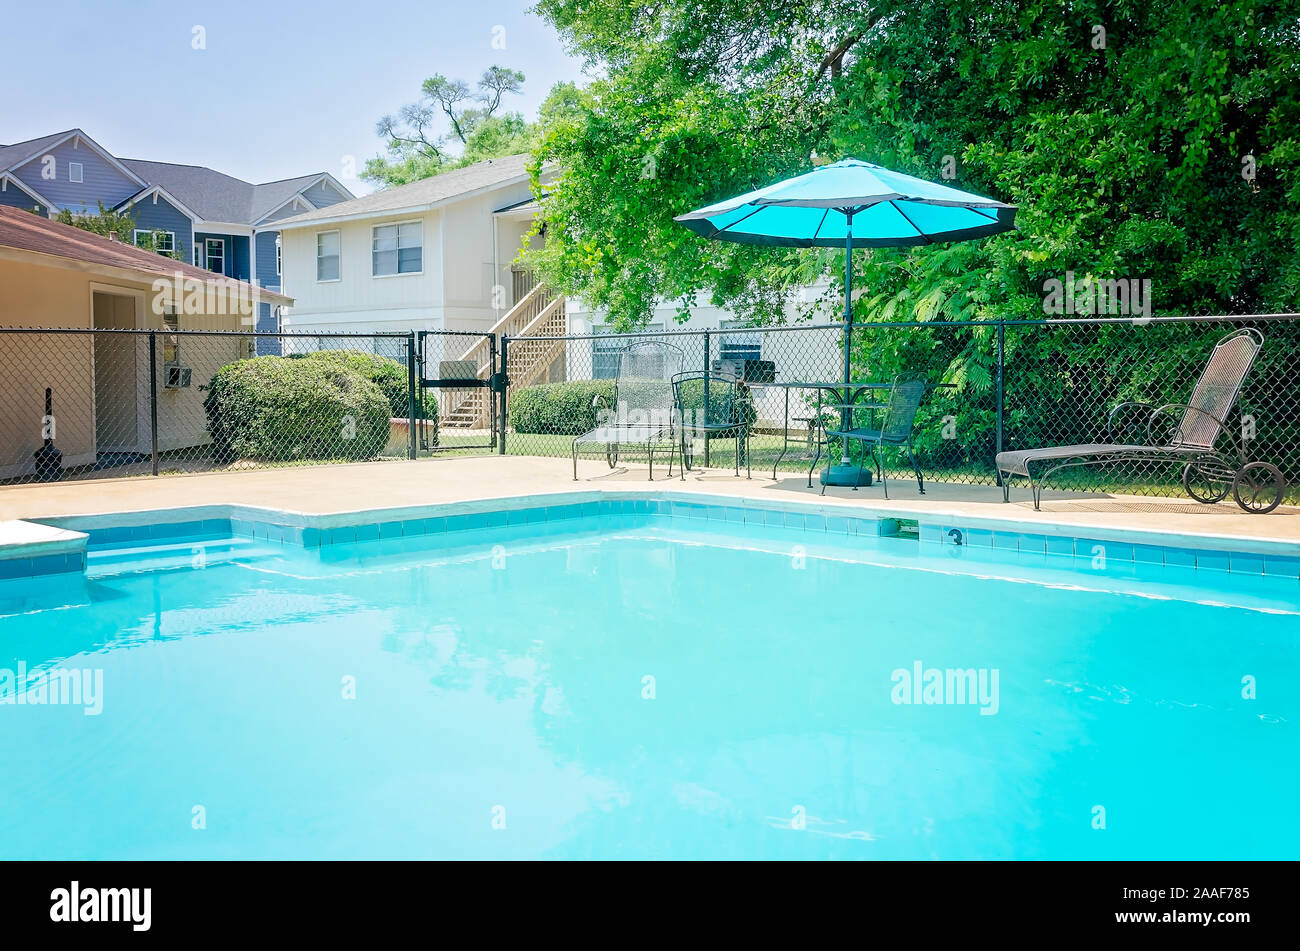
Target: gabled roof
point(11, 156)
point(11, 180)
point(201, 192)
point(23, 231)
point(422, 195)
point(215, 196)
point(270, 196)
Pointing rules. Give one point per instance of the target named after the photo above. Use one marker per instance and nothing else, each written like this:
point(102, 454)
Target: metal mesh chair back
point(1217, 390)
point(645, 374)
point(904, 399)
point(723, 406)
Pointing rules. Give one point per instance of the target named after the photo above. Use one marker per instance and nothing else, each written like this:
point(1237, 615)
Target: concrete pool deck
point(328, 490)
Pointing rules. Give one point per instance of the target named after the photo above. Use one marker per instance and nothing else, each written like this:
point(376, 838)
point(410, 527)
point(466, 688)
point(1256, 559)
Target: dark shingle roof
point(218, 197)
point(212, 195)
point(20, 152)
point(206, 192)
point(271, 195)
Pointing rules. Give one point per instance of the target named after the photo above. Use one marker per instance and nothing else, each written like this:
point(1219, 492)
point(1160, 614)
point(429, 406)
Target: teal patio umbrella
point(851, 204)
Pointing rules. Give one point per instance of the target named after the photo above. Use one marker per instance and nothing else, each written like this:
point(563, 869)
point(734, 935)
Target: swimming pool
point(622, 683)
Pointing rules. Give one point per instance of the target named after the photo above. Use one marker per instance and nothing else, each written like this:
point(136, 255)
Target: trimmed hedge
point(386, 373)
point(559, 408)
point(277, 409)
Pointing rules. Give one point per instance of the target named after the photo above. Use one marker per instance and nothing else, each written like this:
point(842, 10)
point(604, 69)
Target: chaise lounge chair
point(1208, 474)
point(643, 414)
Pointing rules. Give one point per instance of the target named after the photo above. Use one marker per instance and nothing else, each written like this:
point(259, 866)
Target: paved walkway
point(385, 485)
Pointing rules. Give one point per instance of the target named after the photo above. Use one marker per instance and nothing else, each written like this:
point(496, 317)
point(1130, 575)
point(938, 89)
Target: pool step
point(187, 553)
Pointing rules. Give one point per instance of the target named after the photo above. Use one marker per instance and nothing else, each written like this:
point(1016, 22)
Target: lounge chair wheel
point(1207, 483)
point(1259, 487)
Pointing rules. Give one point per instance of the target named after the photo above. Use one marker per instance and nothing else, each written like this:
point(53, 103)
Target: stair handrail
point(539, 293)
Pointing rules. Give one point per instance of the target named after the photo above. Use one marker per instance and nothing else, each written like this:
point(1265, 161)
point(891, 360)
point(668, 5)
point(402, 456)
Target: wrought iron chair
point(643, 414)
point(895, 428)
point(1208, 473)
point(715, 406)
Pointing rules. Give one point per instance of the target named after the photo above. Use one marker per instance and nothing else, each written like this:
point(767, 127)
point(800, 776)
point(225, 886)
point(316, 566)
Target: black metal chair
point(895, 428)
point(715, 406)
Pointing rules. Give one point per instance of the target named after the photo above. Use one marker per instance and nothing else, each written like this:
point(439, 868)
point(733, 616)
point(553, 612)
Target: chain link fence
point(80, 404)
point(128, 402)
point(999, 385)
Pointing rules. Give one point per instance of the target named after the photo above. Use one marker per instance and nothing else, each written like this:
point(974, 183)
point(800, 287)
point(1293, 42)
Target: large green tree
point(450, 126)
point(1139, 140)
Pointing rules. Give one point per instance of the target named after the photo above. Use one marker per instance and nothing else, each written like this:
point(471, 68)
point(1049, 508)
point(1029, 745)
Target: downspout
point(496, 270)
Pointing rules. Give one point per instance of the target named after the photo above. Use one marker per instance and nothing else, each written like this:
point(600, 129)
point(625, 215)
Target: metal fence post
point(504, 385)
point(706, 396)
point(492, 403)
point(1002, 350)
point(410, 391)
point(153, 397)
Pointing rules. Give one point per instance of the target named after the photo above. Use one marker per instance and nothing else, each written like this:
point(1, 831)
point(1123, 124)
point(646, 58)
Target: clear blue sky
point(284, 87)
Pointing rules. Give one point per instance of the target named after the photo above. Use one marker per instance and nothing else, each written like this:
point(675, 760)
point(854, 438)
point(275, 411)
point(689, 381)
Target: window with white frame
point(278, 258)
point(75, 172)
point(329, 245)
point(164, 242)
point(397, 249)
point(214, 250)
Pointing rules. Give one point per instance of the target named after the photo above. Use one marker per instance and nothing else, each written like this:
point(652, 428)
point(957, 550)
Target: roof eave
point(48, 259)
point(304, 221)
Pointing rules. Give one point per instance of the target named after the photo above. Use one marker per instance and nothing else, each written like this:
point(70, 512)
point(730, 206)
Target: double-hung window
point(214, 253)
point(397, 249)
point(328, 251)
point(164, 242)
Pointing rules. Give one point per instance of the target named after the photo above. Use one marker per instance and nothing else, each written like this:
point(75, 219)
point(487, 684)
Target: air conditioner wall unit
point(176, 377)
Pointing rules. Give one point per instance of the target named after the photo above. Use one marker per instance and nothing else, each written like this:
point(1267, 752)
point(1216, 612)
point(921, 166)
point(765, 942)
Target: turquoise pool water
point(646, 688)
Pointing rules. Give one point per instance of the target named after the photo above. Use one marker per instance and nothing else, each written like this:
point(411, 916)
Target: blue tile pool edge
point(318, 531)
point(1104, 554)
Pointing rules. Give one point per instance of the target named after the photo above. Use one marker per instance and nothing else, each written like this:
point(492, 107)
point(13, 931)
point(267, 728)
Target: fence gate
point(455, 370)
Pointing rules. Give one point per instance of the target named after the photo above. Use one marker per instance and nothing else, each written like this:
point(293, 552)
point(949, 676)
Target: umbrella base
point(846, 475)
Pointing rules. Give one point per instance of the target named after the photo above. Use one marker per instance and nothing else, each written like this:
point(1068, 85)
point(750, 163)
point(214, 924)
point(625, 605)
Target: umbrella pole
point(846, 411)
point(846, 473)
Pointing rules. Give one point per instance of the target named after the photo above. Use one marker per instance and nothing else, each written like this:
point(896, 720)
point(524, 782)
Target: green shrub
point(277, 409)
point(559, 408)
point(386, 373)
point(566, 408)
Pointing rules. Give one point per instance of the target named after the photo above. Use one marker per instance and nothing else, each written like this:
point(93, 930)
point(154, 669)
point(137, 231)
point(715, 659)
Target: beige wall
point(35, 295)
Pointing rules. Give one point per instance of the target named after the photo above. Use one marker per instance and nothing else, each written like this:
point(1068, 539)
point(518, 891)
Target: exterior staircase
point(539, 313)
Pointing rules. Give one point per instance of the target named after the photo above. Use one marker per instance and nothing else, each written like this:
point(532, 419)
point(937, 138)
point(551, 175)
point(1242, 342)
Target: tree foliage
point(1139, 140)
point(121, 224)
point(450, 126)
